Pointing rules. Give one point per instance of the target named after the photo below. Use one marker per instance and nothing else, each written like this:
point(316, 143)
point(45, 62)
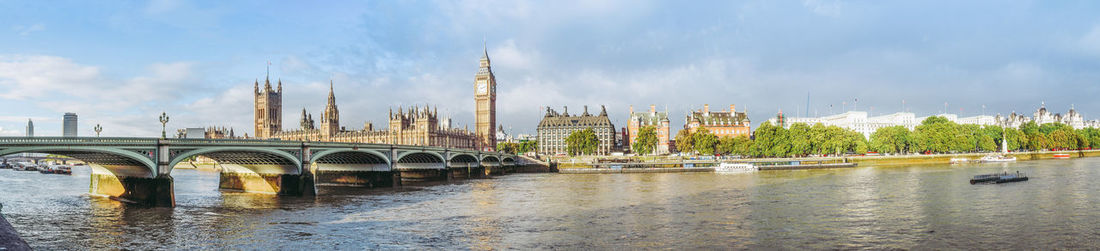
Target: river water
point(924, 207)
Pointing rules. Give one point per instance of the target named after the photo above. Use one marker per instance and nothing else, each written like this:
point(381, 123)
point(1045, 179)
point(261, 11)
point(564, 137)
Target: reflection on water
point(907, 207)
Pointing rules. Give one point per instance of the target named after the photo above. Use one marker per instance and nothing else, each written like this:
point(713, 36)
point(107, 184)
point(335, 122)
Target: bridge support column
point(157, 192)
point(281, 184)
point(396, 178)
point(307, 182)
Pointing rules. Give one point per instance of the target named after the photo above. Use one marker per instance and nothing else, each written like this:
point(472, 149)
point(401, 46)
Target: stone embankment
point(9, 239)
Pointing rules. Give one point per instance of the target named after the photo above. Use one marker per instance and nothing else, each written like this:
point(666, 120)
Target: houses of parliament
point(419, 126)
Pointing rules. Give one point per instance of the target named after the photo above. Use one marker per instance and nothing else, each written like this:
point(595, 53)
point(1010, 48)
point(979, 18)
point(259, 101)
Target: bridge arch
point(120, 162)
point(259, 160)
point(508, 161)
point(351, 160)
point(490, 158)
point(420, 160)
point(464, 160)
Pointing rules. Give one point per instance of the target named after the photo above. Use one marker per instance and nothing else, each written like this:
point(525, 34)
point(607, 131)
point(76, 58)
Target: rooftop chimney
point(652, 108)
point(632, 109)
point(706, 108)
point(732, 110)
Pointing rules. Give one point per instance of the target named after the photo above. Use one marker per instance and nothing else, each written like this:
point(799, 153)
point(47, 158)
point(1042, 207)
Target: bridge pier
point(281, 184)
point(423, 175)
point(370, 179)
point(157, 192)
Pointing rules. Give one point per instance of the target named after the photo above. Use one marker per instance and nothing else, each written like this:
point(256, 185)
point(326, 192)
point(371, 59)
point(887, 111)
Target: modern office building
point(30, 128)
point(69, 128)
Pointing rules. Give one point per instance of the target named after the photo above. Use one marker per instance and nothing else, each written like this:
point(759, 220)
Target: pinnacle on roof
point(331, 95)
point(485, 51)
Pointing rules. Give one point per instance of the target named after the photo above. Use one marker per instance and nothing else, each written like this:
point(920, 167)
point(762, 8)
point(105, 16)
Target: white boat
point(997, 158)
point(959, 160)
point(735, 168)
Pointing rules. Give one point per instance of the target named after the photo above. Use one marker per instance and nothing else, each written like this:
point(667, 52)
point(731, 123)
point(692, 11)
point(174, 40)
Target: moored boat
point(735, 168)
point(1061, 155)
point(997, 158)
point(998, 178)
point(959, 160)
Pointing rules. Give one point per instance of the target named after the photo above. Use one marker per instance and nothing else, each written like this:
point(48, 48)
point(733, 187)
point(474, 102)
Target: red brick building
point(729, 123)
point(658, 120)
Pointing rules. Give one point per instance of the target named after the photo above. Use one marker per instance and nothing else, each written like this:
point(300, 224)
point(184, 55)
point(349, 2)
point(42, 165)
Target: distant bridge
point(139, 169)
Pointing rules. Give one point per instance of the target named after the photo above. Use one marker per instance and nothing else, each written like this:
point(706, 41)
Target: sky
point(121, 63)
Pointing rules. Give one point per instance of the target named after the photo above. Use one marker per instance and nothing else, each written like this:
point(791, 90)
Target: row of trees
point(939, 135)
point(934, 135)
point(518, 148)
point(582, 142)
point(775, 141)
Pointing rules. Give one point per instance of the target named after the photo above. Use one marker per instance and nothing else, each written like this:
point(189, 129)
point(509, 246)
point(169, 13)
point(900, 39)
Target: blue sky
point(120, 63)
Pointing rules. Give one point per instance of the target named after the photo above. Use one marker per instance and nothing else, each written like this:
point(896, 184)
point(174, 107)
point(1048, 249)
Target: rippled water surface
point(868, 207)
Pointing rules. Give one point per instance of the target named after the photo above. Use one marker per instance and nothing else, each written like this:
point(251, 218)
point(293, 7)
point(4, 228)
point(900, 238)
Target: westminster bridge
point(139, 169)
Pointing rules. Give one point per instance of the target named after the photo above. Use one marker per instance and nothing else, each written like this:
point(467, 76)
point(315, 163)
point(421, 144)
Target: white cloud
point(509, 56)
point(123, 106)
point(25, 30)
point(828, 8)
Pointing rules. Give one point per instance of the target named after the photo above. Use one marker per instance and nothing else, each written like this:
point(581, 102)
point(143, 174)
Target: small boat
point(735, 168)
point(997, 158)
point(1061, 155)
point(959, 160)
point(998, 178)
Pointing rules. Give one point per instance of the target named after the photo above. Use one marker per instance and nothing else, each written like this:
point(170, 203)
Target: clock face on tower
point(482, 87)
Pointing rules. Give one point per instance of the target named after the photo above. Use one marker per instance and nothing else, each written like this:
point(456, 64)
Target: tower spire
point(331, 95)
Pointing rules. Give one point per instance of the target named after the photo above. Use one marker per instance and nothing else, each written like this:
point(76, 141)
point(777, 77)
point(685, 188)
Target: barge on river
point(998, 178)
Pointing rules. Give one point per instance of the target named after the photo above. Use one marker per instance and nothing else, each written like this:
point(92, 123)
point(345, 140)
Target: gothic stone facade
point(485, 97)
point(419, 126)
point(555, 127)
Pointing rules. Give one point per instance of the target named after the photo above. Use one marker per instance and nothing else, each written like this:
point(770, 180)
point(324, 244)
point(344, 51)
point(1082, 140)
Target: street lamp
point(97, 129)
point(163, 122)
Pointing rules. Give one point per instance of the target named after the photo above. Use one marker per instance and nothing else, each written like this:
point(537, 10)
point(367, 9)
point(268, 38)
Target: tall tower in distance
point(30, 128)
point(330, 117)
point(69, 128)
point(269, 109)
point(485, 96)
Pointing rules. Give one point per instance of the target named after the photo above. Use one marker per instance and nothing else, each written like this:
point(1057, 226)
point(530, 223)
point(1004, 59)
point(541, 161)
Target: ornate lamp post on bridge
point(163, 122)
point(97, 129)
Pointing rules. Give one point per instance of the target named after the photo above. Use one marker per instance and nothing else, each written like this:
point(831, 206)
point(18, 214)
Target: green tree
point(742, 145)
point(894, 139)
point(646, 140)
point(582, 142)
point(818, 137)
point(684, 142)
point(1063, 138)
point(529, 146)
point(1016, 139)
point(937, 134)
point(987, 143)
point(509, 148)
point(726, 145)
point(799, 138)
point(705, 141)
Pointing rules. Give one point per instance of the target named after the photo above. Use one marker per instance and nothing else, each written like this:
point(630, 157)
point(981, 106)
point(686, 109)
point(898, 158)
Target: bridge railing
point(75, 140)
point(250, 142)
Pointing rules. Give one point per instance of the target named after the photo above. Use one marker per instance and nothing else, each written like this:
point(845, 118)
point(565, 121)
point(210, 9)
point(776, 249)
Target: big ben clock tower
point(485, 95)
